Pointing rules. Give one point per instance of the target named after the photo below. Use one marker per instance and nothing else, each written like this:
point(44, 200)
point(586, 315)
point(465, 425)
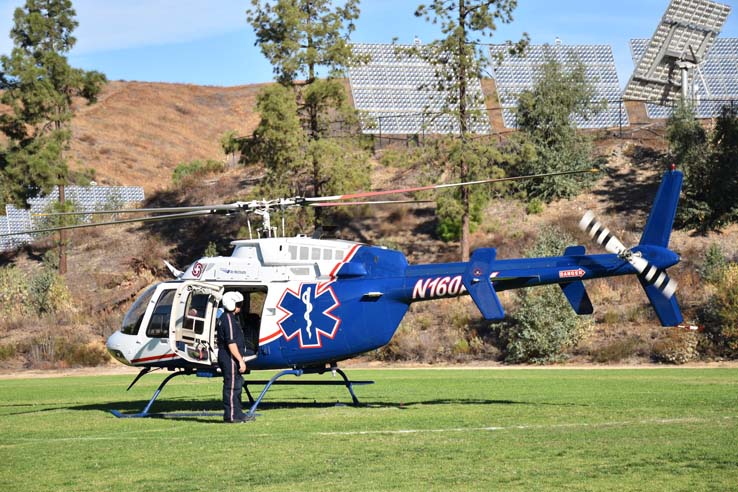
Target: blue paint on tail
point(657, 233)
point(661, 220)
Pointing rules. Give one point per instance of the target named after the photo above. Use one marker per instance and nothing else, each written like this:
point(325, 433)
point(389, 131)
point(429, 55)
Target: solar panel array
point(686, 32)
point(398, 93)
point(515, 74)
point(84, 197)
point(716, 80)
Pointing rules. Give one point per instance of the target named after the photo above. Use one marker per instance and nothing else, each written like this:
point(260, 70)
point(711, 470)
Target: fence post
point(380, 131)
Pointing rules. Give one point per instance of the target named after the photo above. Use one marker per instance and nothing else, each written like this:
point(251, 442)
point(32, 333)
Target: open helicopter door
point(192, 326)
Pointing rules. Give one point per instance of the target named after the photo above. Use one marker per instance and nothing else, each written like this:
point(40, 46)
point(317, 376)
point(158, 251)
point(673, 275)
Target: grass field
point(476, 429)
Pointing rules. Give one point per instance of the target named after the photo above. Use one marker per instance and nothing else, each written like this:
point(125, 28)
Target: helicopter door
point(191, 329)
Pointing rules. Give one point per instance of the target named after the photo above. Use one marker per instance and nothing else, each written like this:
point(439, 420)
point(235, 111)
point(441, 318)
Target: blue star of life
point(308, 315)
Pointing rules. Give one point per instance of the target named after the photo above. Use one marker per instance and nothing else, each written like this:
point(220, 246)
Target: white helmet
point(230, 299)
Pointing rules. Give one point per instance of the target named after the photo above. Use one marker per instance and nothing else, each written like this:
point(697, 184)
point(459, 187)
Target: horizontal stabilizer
point(477, 282)
point(666, 309)
point(577, 296)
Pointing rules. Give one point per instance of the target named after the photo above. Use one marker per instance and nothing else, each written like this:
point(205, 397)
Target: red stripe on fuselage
point(154, 357)
point(348, 258)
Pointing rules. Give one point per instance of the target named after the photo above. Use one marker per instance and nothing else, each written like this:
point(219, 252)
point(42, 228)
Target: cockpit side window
point(159, 323)
point(132, 320)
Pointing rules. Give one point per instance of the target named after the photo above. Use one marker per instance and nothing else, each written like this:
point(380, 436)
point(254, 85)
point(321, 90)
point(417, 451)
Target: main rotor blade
point(367, 194)
point(214, 208)
point(377, 202)
point(185, 215)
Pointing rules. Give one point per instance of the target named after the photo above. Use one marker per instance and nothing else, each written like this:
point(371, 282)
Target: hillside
point(138, 132)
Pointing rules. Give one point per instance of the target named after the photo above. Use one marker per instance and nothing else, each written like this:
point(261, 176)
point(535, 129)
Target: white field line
point(136, 435)
point(630, 423)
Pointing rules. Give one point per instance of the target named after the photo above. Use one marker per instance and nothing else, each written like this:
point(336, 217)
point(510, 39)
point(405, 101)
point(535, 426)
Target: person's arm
point(233, 349)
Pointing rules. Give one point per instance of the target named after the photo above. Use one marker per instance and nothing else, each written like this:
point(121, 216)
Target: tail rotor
point(646, 271)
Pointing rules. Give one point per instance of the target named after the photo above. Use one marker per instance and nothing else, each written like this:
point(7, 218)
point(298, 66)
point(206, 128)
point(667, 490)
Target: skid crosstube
point(275, 380)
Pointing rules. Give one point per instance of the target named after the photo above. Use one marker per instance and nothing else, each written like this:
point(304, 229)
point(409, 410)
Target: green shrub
point(7, 352)
point(617, 350)
point(675, 347)
point(713, 264)
point(48, 291)
point(720, 314)
point(544, 326)
point(534, 207)
point(14, 293)
point(211, 250)
point(194, 169)
point(50, 349)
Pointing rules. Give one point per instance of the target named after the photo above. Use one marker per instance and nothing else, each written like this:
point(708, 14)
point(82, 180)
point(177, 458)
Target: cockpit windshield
point(133, 317)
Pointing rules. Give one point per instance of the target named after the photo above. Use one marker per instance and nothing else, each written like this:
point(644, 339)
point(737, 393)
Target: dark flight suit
point(229, 331)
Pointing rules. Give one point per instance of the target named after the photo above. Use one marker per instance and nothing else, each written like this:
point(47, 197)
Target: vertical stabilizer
point(658, 226)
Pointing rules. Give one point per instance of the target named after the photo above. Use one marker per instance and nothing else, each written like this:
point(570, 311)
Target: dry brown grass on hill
point(138, 132)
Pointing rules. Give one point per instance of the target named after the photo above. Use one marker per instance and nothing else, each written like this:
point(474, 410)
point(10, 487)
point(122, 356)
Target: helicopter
point(310, 303)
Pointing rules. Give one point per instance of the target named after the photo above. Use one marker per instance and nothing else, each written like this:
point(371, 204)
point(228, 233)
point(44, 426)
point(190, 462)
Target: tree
point(458, 58)
point(231, 146)
point(484, 158)
point(545, 119)
point(544, 325)
point(299, 37)
point(279, 141)
point(709, 160)
point(38, 86)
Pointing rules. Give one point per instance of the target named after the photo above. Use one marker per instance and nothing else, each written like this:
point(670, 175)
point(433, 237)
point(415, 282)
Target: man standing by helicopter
point(231, 349)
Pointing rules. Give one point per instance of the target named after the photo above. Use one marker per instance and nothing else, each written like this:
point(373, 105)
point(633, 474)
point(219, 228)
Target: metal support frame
point(299, 372)
point(145, 412)
point(254, 403)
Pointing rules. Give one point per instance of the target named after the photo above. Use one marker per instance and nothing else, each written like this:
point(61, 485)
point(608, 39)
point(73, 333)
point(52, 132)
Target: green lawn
point(476, 429)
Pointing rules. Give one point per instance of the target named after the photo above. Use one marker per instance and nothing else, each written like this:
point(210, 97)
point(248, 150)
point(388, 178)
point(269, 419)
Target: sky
point(210, 42)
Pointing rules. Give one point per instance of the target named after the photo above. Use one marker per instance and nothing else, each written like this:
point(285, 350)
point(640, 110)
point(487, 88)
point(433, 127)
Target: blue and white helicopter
point(311, 303)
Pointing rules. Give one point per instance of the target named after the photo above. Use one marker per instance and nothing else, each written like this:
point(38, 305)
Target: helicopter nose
point(116, 345)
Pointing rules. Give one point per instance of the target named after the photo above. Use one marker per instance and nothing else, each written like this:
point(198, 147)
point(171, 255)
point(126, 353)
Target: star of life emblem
point(308, 314)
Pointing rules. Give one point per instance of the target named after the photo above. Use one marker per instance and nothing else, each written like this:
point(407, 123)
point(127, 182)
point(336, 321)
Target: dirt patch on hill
point(138, 132)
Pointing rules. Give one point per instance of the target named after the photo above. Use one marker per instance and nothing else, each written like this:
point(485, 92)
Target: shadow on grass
point(205, 411)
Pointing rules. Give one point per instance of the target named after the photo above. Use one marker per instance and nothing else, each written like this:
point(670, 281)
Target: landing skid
point(254, 403)
point(299, 372)
point(145, 412)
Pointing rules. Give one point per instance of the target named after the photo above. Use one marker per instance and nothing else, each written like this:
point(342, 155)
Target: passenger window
point(316, 254)
point(195, 312)
point(293, 252)
point(304, 253)
point(327, 254)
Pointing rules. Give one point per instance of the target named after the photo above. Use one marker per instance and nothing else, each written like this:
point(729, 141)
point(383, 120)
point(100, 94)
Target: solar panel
point(716, 78)
point(85, 198)
point(515, 74)
point(398, 94)
point(682, 39)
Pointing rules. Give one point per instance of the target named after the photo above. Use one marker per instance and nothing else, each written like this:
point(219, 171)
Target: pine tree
point(38, 86)
point(457, 59)
point(301, 37)
point(544, 117)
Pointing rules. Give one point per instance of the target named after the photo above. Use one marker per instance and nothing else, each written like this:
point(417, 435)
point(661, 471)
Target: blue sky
point(210, 42)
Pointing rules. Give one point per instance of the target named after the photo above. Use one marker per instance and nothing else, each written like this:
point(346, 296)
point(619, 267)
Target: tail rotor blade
point(659, 279)
point(601, 234)
point(639, 263)
point(648, 272)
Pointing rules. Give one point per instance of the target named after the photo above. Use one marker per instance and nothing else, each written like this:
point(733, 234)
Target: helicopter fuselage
point(316, 302)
